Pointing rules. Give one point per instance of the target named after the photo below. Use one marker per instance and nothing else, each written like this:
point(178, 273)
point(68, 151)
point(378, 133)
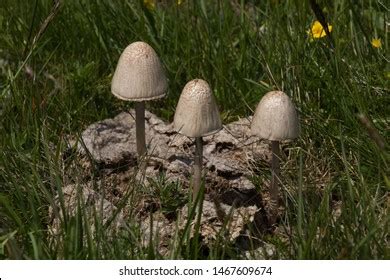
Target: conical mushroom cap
point(197, 113)
point(275, 117)
point(139, 75)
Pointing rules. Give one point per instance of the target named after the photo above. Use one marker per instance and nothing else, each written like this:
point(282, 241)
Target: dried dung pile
point(107, 150)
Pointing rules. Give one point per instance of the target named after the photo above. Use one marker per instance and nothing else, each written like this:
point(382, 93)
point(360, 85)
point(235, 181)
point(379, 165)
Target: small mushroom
point(275, 119)
point(139, 76)
point(196, 116)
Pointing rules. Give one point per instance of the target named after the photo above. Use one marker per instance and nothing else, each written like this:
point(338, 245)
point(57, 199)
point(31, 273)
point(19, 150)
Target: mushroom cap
point(139, 75)
point(275, 118)
point(197, 113)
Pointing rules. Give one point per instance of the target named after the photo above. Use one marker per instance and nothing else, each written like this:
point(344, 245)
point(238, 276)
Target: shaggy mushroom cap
point(139, 75)
point(275, 118)
point(197, 113)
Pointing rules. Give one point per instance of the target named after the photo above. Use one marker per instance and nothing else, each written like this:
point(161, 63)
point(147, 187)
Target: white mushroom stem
point(274, 189)
point(140, 127)
point(198, 161)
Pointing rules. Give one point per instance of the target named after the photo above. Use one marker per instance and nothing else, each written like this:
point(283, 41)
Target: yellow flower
point(150, 4)
point(179, 2)
point(317, 31)
point(376, 42)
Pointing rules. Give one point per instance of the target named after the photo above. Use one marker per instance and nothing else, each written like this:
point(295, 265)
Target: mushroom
point(139, 76)
point(275, 119)
point(196, 116)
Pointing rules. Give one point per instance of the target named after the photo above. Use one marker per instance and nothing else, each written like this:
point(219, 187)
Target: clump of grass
point(169, 196)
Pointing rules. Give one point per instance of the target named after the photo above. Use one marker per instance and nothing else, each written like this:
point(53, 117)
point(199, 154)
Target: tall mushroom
point(275, 119)
point(196, 116)
point(139, 77)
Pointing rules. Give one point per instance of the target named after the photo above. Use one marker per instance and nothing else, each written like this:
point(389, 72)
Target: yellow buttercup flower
point(150, 4)
point(317, 31)
point(376, 42)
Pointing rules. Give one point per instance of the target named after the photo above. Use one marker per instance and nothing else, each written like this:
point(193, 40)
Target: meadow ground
point(56, 65)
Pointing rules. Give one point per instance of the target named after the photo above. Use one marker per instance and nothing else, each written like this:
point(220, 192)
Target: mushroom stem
point(274, 189)
point(140, 127)
point(198, 161)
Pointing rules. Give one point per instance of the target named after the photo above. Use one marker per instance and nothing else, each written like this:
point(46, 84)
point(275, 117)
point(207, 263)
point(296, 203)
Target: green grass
point(243, 49)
